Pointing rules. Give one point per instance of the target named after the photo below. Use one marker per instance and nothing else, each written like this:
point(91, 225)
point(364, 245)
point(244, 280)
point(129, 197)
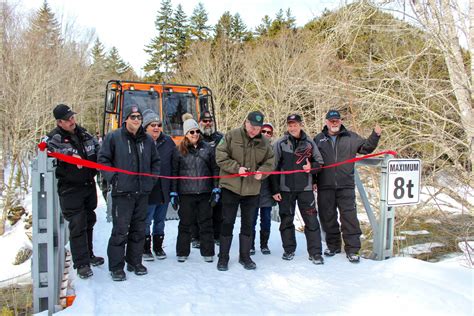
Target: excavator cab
point(169, 101)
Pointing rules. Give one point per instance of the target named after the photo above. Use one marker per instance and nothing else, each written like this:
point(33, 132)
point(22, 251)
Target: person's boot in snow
point(84, 271)
point(264, 236)
point(252, 248)
point(96, 261)
point(288, 255)
point(224, 247)
point(147, 255)
point(353, 257)
point(182, 258)
point(329, 253)
point(195, 243)
point(158, 247)
point(139, 269)
point(118, 275)
point(316, 259)
point(244, 258)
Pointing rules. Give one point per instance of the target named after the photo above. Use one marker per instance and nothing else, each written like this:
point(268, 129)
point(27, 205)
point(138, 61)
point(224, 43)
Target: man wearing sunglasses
point(336, 185)
point(129, 148)
point(159, 197)
point(242, 150)
point(76, 186)
point(212, 137)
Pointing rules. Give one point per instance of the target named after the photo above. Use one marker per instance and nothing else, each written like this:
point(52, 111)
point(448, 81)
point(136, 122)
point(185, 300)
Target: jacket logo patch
point(303, 154)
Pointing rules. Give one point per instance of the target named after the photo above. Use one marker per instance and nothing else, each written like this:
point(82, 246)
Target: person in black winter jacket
point(129, 148)
point(212, 137)
point(265, 204)
point(336, 185)
point(76, 186)
point(296, 151)
point(195, 158)
point(159, 197)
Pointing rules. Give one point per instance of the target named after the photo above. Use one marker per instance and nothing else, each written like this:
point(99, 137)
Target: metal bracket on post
point(383, 227)
point(49, 236)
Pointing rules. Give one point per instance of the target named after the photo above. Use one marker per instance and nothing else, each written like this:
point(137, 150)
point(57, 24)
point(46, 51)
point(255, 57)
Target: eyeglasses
point(156, 125)
point(264, 131)
point(135, 117)
point(195, 131)
point(207, 121)
point(334, 121)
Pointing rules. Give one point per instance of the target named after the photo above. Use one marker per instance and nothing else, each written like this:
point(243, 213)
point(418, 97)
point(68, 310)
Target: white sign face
point(403, 187)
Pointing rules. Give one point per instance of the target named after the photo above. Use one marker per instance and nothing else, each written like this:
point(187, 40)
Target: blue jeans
point(265, 219)
point(157, 214)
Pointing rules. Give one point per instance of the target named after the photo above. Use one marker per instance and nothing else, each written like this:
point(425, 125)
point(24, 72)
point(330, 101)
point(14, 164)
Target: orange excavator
point(169, 101)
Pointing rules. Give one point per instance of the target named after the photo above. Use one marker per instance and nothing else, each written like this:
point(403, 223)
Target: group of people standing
point(207, 205)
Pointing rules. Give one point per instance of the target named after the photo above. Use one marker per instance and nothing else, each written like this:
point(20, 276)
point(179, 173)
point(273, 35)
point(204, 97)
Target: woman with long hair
point(195, 158)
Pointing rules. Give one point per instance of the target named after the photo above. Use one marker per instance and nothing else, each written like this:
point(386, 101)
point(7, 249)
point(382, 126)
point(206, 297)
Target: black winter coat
point(212, 139)
point(348, 144)
point(136, 153)
point(200, 161)
point(81, 143)
point(167, 151)
point(291, 154)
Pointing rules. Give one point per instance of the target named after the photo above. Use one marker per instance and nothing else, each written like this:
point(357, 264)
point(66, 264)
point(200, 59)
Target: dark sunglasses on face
point(135, 117)
point(156, 125)
point(207, 121)
point(195, 131)
point(264, 131)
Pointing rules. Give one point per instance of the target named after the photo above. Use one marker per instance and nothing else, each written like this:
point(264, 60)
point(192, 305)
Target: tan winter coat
point(237, 150)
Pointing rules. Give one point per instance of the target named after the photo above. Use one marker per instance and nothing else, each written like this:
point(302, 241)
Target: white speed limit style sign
point(403, 181)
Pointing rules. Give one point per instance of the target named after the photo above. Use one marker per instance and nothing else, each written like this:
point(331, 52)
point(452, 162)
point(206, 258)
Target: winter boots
point(96, 261)
point(147, 255)
point(264, 236)
point(139, 269)
point(244, 258)
point(118, 275)
point(158, 247)
point(316, 259)
point(353, 257)
point(224, 247)
point(329, 253)
point(288, 256)
point(84, 271)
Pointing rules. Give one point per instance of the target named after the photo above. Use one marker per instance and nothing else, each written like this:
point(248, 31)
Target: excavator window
point(144, 99)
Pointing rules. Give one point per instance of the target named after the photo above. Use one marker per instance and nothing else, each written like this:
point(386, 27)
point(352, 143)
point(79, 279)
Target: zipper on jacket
point(129, 149)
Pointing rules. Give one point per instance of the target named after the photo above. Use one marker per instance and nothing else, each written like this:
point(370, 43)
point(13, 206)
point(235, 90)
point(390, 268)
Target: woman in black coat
point(194, 158)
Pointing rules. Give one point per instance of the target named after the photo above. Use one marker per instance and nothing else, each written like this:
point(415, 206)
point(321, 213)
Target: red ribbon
point(90, 164)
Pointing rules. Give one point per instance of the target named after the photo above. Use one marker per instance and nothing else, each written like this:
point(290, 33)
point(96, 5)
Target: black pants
point(230, 205)
point(195, 208)
point(129, 216)
point(216, 222)
point(312, 231)
point(78, 204)
point(344, 200)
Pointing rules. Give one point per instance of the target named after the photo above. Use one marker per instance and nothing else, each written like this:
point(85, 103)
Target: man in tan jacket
point(241, 150)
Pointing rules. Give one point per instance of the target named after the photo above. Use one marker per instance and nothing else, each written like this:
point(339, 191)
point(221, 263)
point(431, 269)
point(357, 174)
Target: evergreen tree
point(160, 50)
point(180, 36)
point(263, 28)
point(283, 21)
point(98, 54)
point(238, 31)
point(44, 32)
point(115, 65)
point(198, 28)
point(223, 27)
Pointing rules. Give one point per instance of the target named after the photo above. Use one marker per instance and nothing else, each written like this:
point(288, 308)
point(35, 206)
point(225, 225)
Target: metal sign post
point(49, 236)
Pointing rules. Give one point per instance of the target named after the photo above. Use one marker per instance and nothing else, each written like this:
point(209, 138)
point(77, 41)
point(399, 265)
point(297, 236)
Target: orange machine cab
point(169, 101)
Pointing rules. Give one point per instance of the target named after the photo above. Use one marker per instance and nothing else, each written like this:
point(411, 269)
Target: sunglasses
point(207, 121)
point(135, 117)
point(195, 131)
point(156, 125)
point(264, 131)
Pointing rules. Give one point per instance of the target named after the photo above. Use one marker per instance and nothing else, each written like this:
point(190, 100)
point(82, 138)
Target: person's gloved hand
point(174, 200)
point(215, 196)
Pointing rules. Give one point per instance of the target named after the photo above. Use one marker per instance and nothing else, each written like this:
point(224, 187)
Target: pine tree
point(262, 29)
point(238, 31)
point(283, 21)
point(223, 27)
point(98, 54)
point(114, 64)
point(180, 36)
point(199, 30)
point(44, 32)
point(159, 49)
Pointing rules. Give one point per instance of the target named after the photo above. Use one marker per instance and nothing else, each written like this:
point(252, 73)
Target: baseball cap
point(333, 114)
point(62, 112)
point(294, 118)
point(255, 118)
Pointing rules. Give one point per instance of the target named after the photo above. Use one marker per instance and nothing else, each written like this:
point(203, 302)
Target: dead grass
point(16, 300)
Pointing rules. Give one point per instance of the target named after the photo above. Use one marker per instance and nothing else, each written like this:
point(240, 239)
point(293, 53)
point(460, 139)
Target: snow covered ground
point(392, 287)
